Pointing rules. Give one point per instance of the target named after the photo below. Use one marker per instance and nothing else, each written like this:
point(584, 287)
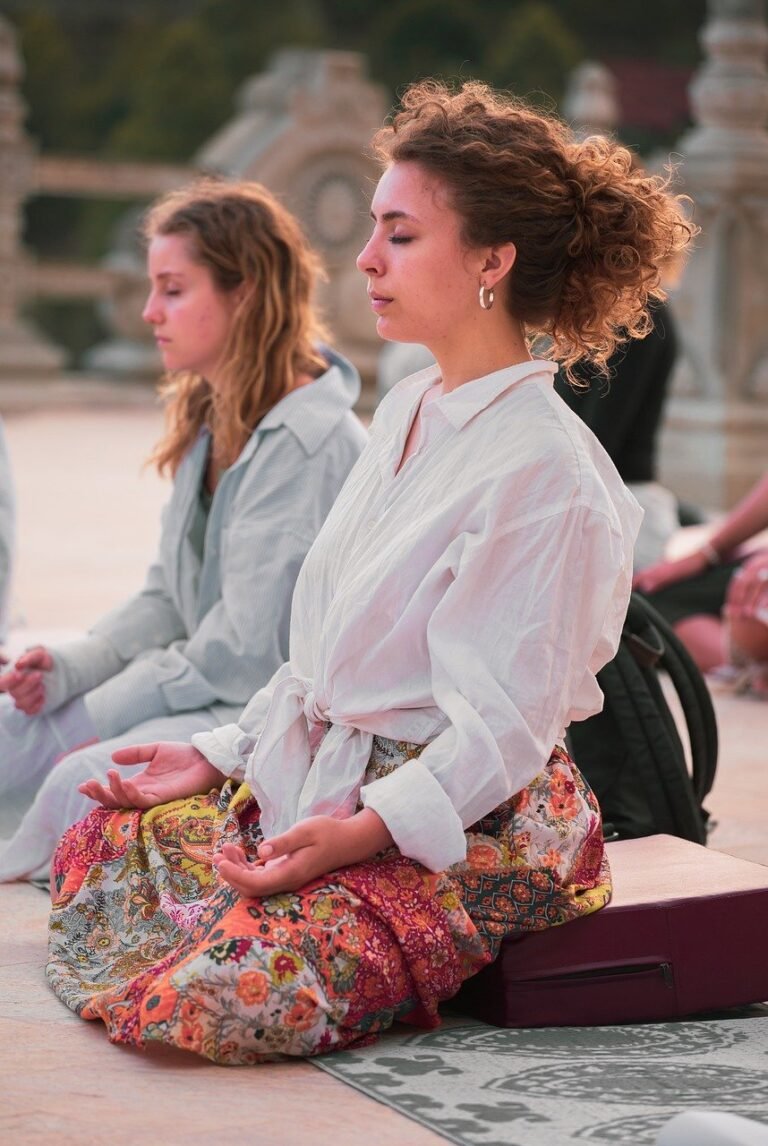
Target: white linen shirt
point(465, 603)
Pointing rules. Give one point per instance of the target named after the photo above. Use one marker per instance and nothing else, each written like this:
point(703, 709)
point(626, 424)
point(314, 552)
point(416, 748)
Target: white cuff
point(78, 667)
point(227, 748)
point(419, 815)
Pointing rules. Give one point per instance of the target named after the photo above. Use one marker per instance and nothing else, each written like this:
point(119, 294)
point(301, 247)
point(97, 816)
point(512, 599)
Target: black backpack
point(632, 753)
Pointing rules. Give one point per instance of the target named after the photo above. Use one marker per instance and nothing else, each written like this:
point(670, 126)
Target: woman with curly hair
point(259, 440)
point(398, 798)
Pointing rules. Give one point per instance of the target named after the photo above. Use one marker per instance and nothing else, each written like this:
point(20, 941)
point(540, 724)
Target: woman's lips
point(379, 302)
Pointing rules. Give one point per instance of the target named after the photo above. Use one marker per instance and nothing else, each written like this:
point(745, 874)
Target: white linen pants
point(43, 794)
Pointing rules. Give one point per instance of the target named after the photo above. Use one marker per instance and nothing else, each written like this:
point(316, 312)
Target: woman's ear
point(498, 262)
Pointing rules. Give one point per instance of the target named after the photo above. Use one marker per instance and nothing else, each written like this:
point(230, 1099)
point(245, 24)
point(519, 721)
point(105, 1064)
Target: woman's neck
point(465, 359)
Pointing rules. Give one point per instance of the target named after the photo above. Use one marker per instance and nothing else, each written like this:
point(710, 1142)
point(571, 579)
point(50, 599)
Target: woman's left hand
point(311, 848)
point(175, 770)
point(25, 682)
point(748, 588)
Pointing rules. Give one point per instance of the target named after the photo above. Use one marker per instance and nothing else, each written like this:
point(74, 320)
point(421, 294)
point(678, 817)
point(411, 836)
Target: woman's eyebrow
point(388, 216)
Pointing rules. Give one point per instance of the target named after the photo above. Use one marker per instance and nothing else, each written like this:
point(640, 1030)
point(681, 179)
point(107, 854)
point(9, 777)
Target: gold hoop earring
point(486, 296)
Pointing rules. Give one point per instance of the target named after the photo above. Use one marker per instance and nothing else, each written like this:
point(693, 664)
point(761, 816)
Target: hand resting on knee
point(311, 848)
point(25, 682)
point(174, 771)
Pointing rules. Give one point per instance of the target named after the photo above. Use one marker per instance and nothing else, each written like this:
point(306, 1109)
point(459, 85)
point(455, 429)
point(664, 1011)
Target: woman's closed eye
point(401, 238)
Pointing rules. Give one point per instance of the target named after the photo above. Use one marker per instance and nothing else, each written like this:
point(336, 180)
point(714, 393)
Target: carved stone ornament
point(716, 431)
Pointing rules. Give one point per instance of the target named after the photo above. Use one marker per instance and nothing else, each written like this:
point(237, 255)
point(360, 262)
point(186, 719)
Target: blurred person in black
point(624, 410)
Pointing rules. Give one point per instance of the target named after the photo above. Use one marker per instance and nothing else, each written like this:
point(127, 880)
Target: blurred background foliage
point(153, 79)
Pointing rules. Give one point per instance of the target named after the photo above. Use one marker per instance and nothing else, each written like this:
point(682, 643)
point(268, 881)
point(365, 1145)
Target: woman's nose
point(150, 313)
point(368, 261)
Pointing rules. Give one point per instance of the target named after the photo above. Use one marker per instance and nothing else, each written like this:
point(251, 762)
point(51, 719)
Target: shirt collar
point(469, 399)
point(312, 412)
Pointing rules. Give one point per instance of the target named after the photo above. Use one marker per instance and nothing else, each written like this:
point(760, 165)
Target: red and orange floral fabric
point(146, 937)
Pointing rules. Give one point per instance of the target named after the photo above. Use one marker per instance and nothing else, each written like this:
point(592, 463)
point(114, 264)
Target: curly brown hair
point(592, 231)
point(246, 239)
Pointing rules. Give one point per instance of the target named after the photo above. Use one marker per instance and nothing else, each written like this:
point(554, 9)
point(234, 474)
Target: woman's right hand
point(748, 588)
point(25, 682)
point(663, 573)
point(174, 771)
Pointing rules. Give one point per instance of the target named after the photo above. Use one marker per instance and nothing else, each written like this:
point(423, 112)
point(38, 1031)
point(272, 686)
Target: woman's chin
point(173, 366)
point(384, 328)
point(393, 332)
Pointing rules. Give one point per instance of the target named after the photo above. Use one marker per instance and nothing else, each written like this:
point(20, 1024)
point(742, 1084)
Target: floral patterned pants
point(145, 936)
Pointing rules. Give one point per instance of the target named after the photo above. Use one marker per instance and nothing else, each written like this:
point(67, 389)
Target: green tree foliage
point(51, 88)
point(179, 95)
point(249, 31)
point(153, 77)
point(420, 38)
point(533, 52)
point(664, 30)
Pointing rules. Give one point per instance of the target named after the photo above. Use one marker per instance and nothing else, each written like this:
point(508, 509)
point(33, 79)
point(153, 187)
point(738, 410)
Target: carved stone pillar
point(715, 443)
point(23, 350)
point(302, 129)
point(591, 102)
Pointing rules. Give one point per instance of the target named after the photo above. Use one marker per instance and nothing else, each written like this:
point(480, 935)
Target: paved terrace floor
point(88, 526)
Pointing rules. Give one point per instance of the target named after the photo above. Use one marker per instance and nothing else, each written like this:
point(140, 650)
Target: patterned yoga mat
point(478, 1085)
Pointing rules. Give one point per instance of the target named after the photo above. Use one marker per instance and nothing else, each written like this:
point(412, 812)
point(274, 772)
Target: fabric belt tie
point(287, 783)
point(313, 710)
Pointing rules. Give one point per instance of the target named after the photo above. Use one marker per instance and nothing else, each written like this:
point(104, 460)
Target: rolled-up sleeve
point(229, 747)
point(516, 636)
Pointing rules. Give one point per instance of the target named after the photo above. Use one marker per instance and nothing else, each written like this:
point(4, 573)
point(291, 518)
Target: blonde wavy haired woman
point(260, 437)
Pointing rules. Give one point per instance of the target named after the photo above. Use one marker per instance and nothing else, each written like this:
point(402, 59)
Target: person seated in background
point(717, 597)
point(398, 798)
point(7, 535)
point(260, 437)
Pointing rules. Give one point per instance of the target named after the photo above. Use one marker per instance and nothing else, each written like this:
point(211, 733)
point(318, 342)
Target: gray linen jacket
point(207, 635)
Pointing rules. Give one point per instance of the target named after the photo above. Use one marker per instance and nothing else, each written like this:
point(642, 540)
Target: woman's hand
point(746, 619)
point(748, 588)
point(664, 573)
point(174, 771)
point(311, 848)
point(25, 682)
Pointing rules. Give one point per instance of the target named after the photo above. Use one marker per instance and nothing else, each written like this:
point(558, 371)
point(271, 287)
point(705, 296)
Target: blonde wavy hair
point(251, 243)
point(592, 231)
